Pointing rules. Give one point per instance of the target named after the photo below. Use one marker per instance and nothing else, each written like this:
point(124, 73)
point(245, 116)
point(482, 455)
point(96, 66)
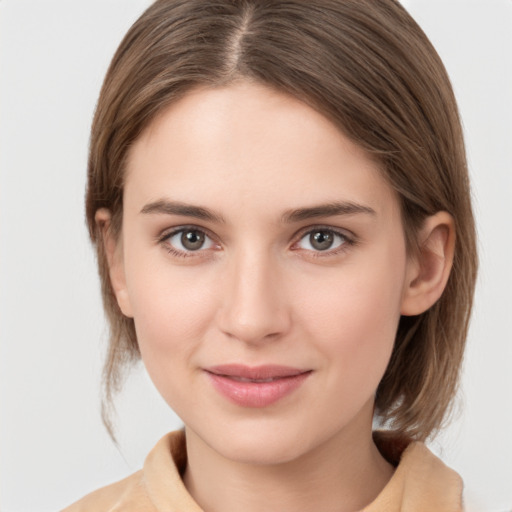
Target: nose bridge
point(254, 306)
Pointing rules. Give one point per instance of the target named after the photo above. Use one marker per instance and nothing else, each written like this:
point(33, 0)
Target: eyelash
point(164, 240)
point(348, 241)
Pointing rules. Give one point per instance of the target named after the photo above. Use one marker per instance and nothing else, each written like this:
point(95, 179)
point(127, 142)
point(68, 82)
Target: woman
point(279, 198)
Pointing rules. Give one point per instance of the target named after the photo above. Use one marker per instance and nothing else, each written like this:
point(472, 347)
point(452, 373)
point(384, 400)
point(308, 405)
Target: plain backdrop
point(53, 447)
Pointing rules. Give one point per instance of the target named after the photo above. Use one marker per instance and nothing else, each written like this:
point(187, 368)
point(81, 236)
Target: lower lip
point(256, 394)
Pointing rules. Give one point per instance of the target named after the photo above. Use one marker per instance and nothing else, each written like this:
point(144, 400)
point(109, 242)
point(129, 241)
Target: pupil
point(192, 240)
point(321, 240)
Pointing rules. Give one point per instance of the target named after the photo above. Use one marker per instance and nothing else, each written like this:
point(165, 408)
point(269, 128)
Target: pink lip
point(257, 386)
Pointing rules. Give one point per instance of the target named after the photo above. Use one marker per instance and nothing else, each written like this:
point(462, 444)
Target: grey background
point(53, 448)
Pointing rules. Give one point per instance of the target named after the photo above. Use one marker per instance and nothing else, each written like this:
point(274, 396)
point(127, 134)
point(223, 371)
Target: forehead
point(245, 143)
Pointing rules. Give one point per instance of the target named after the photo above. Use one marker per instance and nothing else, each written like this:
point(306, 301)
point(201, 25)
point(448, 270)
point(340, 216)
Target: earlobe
point(429, 269)
point(114, 253)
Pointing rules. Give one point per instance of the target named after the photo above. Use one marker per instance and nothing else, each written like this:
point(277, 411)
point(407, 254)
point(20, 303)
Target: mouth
point(258, 386)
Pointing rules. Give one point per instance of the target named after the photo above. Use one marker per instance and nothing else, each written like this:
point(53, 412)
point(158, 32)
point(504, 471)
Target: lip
point(256, 386)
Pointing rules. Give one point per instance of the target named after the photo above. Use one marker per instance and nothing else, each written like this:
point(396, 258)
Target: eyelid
point(168, 233)
point(324, 227)
point(350, 239)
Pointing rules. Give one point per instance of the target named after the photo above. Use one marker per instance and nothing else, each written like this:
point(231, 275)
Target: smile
point(256, 386)
point(244, 379)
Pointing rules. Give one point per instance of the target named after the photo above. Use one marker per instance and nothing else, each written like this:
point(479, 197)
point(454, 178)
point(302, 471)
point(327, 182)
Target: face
point(263, 260)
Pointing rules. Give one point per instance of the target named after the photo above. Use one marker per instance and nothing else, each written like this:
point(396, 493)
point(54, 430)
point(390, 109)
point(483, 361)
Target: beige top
point(421, 482)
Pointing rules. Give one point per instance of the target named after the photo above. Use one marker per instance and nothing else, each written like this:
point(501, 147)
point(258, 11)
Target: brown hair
point(367, 66)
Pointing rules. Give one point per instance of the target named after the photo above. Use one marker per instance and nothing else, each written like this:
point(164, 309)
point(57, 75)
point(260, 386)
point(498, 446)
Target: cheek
point(173, 308)
point(354, 318)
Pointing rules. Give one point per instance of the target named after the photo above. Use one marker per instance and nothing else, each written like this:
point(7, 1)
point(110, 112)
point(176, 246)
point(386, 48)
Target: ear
point(114, 252)
point(428, 270)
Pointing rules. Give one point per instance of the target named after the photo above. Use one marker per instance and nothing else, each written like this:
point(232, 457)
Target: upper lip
point(267, 371)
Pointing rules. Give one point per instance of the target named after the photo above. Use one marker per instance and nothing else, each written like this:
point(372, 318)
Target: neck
point(342, 474)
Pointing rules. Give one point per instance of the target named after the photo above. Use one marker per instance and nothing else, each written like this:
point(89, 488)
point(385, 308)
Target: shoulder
point(159, 482)
point(421, 480)
point(127, 495)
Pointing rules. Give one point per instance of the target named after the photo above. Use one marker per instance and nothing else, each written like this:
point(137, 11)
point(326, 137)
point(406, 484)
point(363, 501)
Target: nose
point(254, 306)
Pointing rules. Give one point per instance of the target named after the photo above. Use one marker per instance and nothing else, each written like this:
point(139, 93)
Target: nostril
point(255, 327)
point(253, 307)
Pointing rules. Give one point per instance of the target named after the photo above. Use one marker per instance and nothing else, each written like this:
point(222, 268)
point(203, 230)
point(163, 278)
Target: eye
point(321, 239)
point(189, 240)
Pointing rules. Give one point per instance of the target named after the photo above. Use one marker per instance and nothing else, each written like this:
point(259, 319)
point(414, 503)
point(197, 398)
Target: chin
point(263, 452)
point(260, 442)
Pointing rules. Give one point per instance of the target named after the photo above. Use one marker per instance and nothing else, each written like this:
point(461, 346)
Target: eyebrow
point(326, 210)
point(167, 207)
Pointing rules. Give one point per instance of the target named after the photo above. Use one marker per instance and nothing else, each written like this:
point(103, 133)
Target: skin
point(258, 292)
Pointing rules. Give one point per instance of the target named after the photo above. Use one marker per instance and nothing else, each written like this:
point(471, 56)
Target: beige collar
point(421, 482)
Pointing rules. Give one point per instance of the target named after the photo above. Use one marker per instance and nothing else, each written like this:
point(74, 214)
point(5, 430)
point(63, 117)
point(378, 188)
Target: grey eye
point(321, 240)
point(189, 240)
point(192, 240)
